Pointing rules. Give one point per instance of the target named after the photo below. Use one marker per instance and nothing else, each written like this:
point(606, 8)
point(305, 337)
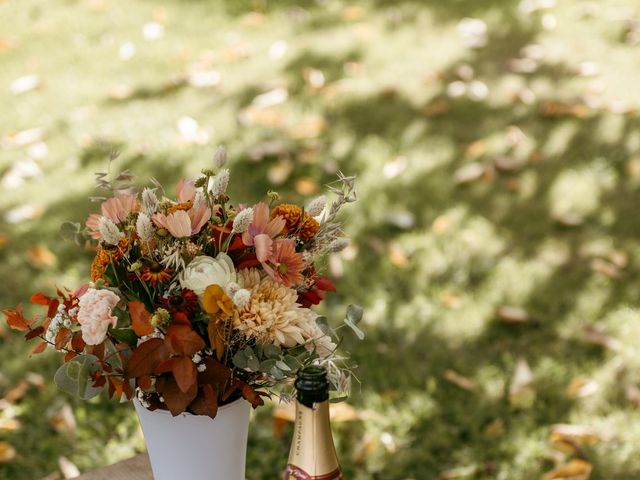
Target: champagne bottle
point(313, 454)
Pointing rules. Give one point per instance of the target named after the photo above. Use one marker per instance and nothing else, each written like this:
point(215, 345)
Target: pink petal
point(179, 224)
point(263, 247)
point(92, 225)
point(199, 216)
point(186, 190)
point(275, 226)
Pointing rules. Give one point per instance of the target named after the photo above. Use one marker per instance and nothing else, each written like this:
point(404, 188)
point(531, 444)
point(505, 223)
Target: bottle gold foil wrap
point(313, 454)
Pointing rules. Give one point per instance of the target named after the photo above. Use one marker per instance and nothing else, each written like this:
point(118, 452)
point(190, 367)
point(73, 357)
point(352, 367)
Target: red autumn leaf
point(163, 367)
point(248, 262)
point(80, 291)
point(325, 283)
point(99, 380)
point(53, 307)
point(252, 396)
point(16, 320)
point(215, 374)
point(176, 400)
point(184, 371)
point(77, 343)
point(235, 384)
point(144, 382)
point(97, 350)
point(40, 298)
point(146, 358)
point(182, 339)
point(180, 318)
point(40, 347)
point(206, 403)
point(62, 338)
point(115, 387)
point(69, 355)
point(127, 389)
point(34, 333)
point(140, 319)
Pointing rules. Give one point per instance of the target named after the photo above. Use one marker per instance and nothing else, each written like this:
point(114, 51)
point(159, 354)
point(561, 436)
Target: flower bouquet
point(195, 301)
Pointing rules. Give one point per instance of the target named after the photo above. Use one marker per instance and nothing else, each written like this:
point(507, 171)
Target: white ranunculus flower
point(203, 271)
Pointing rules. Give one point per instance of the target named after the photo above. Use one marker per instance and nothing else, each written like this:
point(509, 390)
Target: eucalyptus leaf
point(359, 333)
point(354, 313)
point(74, 376)
point(277, 373)
point(267, 365)
point(272, 351)
point(253, 364)
point(292, 362)
point(323, 323)
point(240, 360)
point(283, 366)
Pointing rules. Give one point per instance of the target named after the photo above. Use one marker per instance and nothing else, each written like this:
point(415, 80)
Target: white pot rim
point(189, 414)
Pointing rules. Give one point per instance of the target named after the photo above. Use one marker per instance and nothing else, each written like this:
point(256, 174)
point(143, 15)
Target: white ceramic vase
point(194, 447)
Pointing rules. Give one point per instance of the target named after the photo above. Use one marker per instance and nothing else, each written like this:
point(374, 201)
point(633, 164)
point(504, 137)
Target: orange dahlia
point(156, 274)
point(302, 226)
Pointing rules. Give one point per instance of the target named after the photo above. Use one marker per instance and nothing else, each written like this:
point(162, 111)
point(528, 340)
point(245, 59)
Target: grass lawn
point(495, 241)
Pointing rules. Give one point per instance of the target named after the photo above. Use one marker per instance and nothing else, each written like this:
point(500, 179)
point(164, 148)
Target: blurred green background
point(495, 241)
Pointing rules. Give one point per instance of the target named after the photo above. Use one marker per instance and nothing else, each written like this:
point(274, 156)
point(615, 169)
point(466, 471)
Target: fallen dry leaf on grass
point(582, 387)
point(9, 424)
point(605, 268)
point(521, 393)
point(580, 434)
point(594, 334)
point(64, 421)
point(458, 380)
point(7, 452)
point(576, 469)
point(17, 392)
point(633, 395)
point(510, 314)
point(39, 256)
point(68, 468)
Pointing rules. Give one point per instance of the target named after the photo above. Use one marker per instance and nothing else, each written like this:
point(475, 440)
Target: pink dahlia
point(116, 209)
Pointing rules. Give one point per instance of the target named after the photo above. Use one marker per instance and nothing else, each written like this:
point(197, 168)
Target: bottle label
point(294, 473)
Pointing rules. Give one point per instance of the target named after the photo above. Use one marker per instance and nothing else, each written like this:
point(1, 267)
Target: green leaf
point(277, 373)
point(74, 376)
point(323, 323)
point(283, 366)
point(267, 365)
point(240, 360)
point(253, 364)
point(292, 362)
point(126, 335)
point(272, 351)
point(354, 313)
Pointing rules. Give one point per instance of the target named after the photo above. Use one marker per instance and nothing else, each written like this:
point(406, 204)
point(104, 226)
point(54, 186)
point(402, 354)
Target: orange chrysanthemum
point(156, 274)
point(106, 255)
point(303, 226)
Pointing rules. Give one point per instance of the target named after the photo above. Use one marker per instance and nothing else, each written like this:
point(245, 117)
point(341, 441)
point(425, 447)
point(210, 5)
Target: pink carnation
point(94, 314)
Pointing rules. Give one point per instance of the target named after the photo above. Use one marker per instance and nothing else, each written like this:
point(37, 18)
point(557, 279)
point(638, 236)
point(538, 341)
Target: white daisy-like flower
point(316, 206)
point(109, 231)
point(243, 220)
point(144, 227)
point(218, 184)
point(149, 201)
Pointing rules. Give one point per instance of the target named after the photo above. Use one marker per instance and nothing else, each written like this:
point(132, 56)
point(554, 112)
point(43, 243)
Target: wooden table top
point(136, 468)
